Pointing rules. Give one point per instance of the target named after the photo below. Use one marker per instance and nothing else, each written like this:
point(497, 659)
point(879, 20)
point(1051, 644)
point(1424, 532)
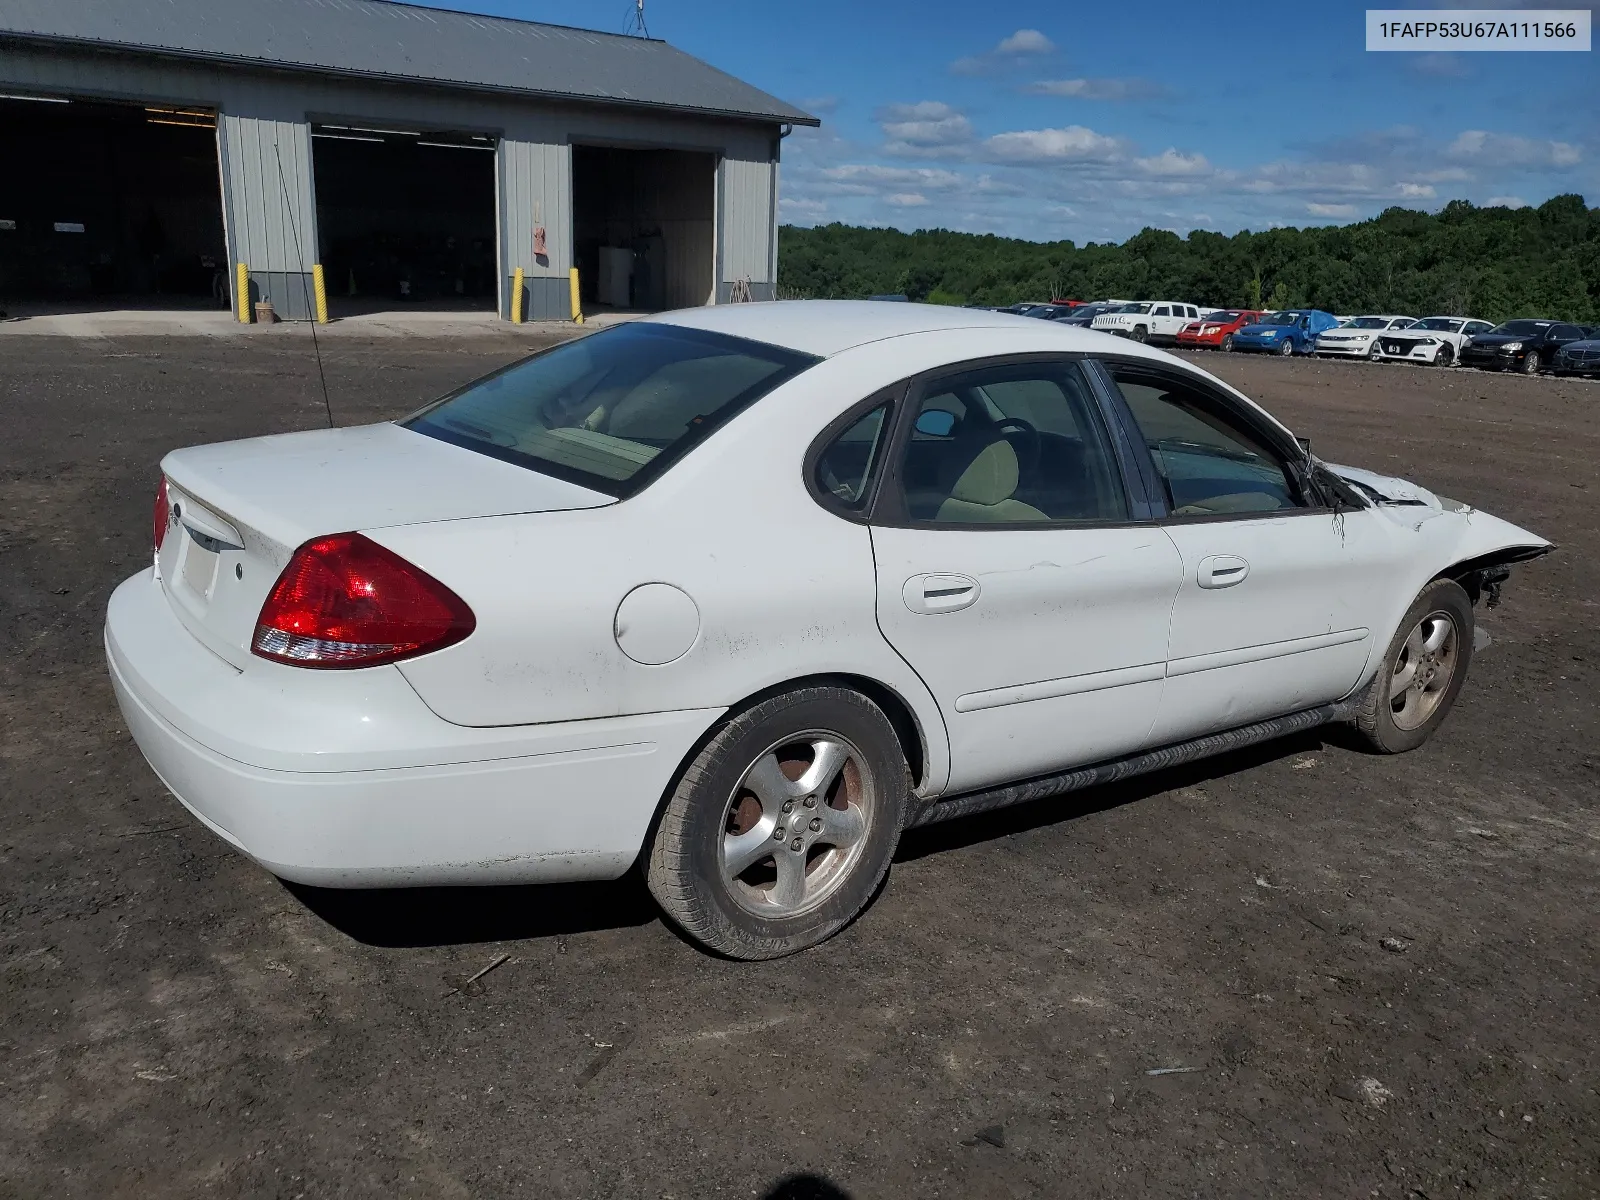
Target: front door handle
point(940, 593)
point(1222, 570)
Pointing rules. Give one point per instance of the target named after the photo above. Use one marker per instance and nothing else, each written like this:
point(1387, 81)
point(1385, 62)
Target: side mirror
point(936, 423)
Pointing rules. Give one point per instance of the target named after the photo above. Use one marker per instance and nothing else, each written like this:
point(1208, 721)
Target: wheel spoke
point(1414, 645)
point(1402, 679)
point(829, 760)
point(770, 785)
point(1436, 636)
point(841, 827)
point(790, 888)
point(741, 851)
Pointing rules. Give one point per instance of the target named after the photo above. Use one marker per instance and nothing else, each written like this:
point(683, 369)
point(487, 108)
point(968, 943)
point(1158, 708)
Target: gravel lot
point(176, 1022)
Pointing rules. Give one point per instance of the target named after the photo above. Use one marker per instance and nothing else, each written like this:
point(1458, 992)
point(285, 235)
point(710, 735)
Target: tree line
point(1494, 263)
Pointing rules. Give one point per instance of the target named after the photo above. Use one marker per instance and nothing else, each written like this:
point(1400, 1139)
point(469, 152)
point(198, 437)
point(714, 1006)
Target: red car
point(1216, 331)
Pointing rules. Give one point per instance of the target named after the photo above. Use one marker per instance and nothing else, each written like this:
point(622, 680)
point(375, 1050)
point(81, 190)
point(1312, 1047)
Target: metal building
point(398, 154)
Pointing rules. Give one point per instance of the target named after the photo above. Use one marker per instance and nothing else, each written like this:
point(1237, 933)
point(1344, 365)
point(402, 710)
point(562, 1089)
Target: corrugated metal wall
point(265, 118)
point(747, 229)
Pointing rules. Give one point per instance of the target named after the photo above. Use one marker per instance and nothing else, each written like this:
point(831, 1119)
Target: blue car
point(1293, 331)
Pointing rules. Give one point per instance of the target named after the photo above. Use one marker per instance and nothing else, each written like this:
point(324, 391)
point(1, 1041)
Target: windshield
point(1370, 323)
point(1524, 328)
point(1134, 308)
point(613, 410)
point(1442, 324)
point(1223, 318)
point(1280, 318)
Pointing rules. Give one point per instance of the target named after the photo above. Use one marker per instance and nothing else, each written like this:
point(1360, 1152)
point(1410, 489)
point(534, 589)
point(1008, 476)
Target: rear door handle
point(1222, 570)
point(940, 593)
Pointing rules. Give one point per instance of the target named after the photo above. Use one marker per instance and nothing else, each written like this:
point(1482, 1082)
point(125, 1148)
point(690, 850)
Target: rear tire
point(783, 826)
point(1422, 672)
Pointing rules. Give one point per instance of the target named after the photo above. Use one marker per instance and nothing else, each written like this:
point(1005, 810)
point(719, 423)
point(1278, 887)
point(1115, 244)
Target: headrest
point(990, 477)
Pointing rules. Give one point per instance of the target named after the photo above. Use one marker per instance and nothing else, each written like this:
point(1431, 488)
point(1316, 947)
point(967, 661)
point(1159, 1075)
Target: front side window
point(611, 411)
point(846, 469)
point(1010, 445)
point(1209, 464)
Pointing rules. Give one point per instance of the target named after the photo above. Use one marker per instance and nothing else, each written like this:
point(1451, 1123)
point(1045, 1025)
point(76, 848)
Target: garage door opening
point(109, 206)
point(643, 227)
point(405, 218)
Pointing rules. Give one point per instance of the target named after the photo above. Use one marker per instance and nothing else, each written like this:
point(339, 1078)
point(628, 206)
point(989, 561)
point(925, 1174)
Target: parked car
point(1148, 321)
point(1358, 337)
point(1579, 358)
point(1216, 329)
point(1436, 341)
point(1292, 331)
point(1083, 315)
point(1025, 308)
point(1525, 345)
point(740, 593)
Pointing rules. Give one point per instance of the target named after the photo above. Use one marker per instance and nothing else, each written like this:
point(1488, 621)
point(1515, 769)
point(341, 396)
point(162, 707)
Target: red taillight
point(162, 518)
point(345, 601)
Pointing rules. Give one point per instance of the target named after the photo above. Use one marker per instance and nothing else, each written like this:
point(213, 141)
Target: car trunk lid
point(238, 510)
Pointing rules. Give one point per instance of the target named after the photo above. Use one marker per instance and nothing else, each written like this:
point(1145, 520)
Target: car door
point(1281, 595)
point(1014, 574)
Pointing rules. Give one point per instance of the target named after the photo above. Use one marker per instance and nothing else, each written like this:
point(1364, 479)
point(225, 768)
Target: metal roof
point(381, 39)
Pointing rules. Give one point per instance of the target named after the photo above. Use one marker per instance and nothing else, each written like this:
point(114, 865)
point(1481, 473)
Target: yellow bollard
point(577, 305)
point(321, 289)
point(516, 296)
point(241, 293)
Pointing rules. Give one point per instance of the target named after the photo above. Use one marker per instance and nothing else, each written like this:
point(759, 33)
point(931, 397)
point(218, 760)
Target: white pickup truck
point(1148, 320)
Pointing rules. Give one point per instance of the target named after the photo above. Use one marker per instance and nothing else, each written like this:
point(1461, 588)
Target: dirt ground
point(1362, 976)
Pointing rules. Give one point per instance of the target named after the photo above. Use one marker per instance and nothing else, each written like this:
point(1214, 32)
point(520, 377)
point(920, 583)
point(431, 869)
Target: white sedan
point(1434, 341)
point(1358, 337)
point(741, 593)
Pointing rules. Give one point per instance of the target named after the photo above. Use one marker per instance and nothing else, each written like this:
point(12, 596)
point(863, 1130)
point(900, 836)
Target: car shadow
point(453, 916)
point(805, 1186)
point(1035, 814)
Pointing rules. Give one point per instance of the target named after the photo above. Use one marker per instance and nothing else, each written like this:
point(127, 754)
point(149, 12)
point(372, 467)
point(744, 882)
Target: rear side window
point(1006, 445)
point(611, 411)
point(846, 469)
point(1209, 463)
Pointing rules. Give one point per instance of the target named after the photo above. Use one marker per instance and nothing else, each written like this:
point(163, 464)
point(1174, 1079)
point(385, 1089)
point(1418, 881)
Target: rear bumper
point(571, 800)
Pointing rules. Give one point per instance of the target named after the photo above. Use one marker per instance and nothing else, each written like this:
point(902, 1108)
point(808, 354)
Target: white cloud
point(1026, 41)
point(906, 199)
point(1174, 163)
point(1010, 53)
point(1332, 210)
point(1417, 191)
point(820, 106)
point(1071, 143)
point(799, 207)
point(928, 123)
point(871, 178)
point(1509, 149)
point(1506, 202)
point(1098, 89)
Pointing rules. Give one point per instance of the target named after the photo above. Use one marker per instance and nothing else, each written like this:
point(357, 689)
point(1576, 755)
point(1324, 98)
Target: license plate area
point(198, 571)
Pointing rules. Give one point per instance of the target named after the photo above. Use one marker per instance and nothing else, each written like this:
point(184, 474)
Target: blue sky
point(1090, 120)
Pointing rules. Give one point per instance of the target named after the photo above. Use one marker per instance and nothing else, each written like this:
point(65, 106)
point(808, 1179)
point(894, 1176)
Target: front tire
point(1227, 343)
point(1286, 348)
point(1444, 356)
point(1422, 672)
point(783, 826)
point(1140, 334)
point(1530, 363)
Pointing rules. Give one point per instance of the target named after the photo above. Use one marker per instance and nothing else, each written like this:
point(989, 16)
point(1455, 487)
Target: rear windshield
point(614, 410)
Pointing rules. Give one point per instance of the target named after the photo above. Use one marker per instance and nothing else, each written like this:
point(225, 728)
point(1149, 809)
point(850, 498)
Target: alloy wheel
point(796, 824)
point(1423, 670)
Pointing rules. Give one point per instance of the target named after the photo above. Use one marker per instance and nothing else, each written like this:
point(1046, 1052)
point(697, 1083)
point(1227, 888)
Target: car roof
point(829, 327)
